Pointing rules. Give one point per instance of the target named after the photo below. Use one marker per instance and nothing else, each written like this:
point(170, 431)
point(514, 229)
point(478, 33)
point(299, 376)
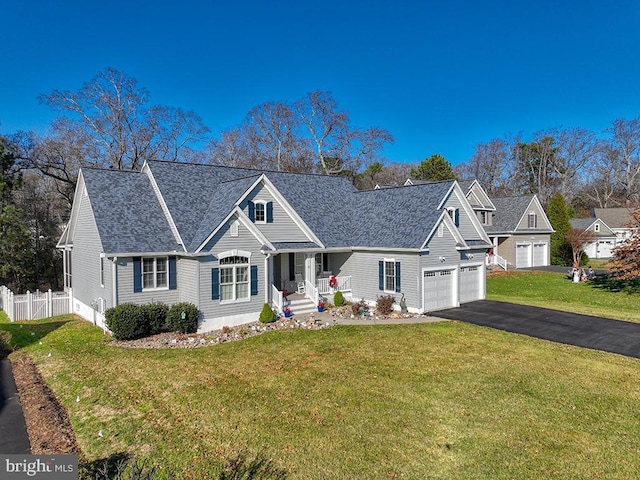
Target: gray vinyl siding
point(283, 228)
point(189, 280)
point(85, 258)
point(363, 268)
point(337, 262)
point(466, 227)
point(223, 242)
point(507, 246)
point(127, 295)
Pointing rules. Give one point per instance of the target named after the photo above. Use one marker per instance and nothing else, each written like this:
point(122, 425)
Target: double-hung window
point(234, 278)
point(155, 273)
point(533, 220)
point(390, 276)
point(261, 212)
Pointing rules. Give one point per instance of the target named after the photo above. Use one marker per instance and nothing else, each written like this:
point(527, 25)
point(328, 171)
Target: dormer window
point(454, 213)
point(261, 212)
point(533, 220)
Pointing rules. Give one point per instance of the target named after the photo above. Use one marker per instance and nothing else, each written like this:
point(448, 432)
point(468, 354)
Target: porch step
point(302, 306)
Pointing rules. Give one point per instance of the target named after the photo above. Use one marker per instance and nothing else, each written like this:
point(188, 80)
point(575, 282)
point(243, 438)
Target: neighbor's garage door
point(540, 254)
point(523, 255)
point(470, 284)
point(604, 249)
point(438, 290)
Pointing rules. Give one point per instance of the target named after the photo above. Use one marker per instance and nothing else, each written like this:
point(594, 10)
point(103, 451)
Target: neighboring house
point(518, 227)
point(610, 226)
point(605, 238)
point(229, 240)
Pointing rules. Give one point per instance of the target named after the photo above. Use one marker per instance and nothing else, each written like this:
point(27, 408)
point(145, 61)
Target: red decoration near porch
point(333, 281)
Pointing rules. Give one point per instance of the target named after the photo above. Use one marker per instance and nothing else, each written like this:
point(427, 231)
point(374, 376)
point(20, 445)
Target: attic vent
point(234, 229)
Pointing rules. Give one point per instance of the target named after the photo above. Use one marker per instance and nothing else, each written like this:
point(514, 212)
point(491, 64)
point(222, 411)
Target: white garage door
point(523, 255)
point(438, 290)
point(604, 250)
point(539, 254)
point(470, 284)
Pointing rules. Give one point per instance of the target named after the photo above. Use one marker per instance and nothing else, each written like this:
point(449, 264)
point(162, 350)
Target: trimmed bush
point(127, 321)
point(183, 317)
point(156, 317)
point(584, 260)
point(338, 299)
point(384, 305)
point(267, 315)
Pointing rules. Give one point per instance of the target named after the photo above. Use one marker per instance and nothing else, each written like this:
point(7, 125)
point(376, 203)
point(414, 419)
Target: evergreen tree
point(434, 168)
point(558, 212)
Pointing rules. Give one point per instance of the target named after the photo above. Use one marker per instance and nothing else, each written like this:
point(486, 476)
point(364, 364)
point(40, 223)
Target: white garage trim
point(523, 254)
point(540, 254)
point(472, 282)
point(439, 288)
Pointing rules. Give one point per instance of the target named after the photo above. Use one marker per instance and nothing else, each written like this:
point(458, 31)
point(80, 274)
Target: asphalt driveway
point(13, 431)
point(570, 328)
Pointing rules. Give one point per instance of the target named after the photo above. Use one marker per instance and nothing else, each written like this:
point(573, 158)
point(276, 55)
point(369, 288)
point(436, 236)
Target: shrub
point(126, 321)
point(156, 317)
point(359, 308)
point(183, 317)
point(267, 315)
point(5, 342)
point(384, 305)
point(338, 299)
point(584, 260)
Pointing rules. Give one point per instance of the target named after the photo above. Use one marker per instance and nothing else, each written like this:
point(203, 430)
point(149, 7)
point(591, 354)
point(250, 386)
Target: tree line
point(109, 122)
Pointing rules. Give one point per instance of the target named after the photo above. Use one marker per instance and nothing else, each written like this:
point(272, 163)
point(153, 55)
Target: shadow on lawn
point(22, 334)
point(605, 282)
point(123, 466)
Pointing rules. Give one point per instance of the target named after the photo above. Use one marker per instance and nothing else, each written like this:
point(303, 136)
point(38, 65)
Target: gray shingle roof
point(582, 223)
point(127, 212)
point(399, 217)
point(614, 217)
point(509, 211)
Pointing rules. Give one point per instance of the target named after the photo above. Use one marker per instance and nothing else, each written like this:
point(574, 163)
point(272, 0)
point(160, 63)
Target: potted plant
point(321, 305)
point(287, 312)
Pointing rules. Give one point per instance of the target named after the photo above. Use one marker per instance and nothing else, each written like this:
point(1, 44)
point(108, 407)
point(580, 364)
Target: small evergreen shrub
point(384, 305)
point(183, 317)
point(338, 299)
point(267, 315)
point(359, 308)
point(127, 321)
point(584, 260)
point(156, 317)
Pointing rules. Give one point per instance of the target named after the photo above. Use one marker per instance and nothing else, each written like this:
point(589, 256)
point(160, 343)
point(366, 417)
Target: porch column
point(310, 268)
point(268, 277)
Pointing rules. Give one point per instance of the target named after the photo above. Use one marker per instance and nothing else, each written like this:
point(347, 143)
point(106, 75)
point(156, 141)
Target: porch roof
point(290, 246)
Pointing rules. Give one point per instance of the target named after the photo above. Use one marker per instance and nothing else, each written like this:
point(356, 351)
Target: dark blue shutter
point(381, 275)
point(215, 284)
point(137, 274)
point(457, 219)
point(173, 274)
point(398, 277)
point(254, 279)
point(270, 212)
point(292, 267)
point(252, 211)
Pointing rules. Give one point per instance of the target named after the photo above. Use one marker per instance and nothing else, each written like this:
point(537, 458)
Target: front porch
point(280, 298)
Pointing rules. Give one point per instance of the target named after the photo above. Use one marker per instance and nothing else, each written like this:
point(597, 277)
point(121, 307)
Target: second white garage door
point(470, 284)
point(439, 289)
point(539, 254)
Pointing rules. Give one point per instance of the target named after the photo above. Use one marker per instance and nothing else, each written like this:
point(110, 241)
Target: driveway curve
point(597, 333)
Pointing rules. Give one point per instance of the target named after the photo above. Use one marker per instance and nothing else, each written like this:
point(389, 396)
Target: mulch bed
point(47, 421)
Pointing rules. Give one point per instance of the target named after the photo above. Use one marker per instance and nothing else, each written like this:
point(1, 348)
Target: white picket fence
point(32, 306)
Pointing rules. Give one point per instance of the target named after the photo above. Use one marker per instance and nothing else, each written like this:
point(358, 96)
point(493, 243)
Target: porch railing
point(344, 285)
point(497, 260)
point(277, 298)
point(311, 291)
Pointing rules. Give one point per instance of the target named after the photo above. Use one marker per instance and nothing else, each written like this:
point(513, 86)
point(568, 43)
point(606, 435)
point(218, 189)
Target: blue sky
point(441, 76)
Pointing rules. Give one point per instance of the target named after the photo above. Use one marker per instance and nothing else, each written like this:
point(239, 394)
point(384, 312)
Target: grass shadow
point(605, 282)
point(23, 334)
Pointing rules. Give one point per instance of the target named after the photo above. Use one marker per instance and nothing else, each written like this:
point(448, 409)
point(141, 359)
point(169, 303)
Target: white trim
point(487, 203)
point(384, 275)
point(246, 222)
point(163, 205)
point(234, 253)
point(455, 233)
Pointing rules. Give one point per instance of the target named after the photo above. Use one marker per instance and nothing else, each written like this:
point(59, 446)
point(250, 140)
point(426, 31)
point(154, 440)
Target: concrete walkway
point(13, 431)
point(586, 331)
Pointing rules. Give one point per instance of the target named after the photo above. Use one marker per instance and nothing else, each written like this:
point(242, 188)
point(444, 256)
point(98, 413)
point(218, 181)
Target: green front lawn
point(554, 290)
point(430, 401)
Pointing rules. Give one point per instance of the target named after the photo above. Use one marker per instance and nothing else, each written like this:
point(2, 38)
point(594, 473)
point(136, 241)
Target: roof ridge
point(391, 187)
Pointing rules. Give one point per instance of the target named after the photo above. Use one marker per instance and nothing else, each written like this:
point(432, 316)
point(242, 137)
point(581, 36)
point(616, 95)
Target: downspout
point(114, 282)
